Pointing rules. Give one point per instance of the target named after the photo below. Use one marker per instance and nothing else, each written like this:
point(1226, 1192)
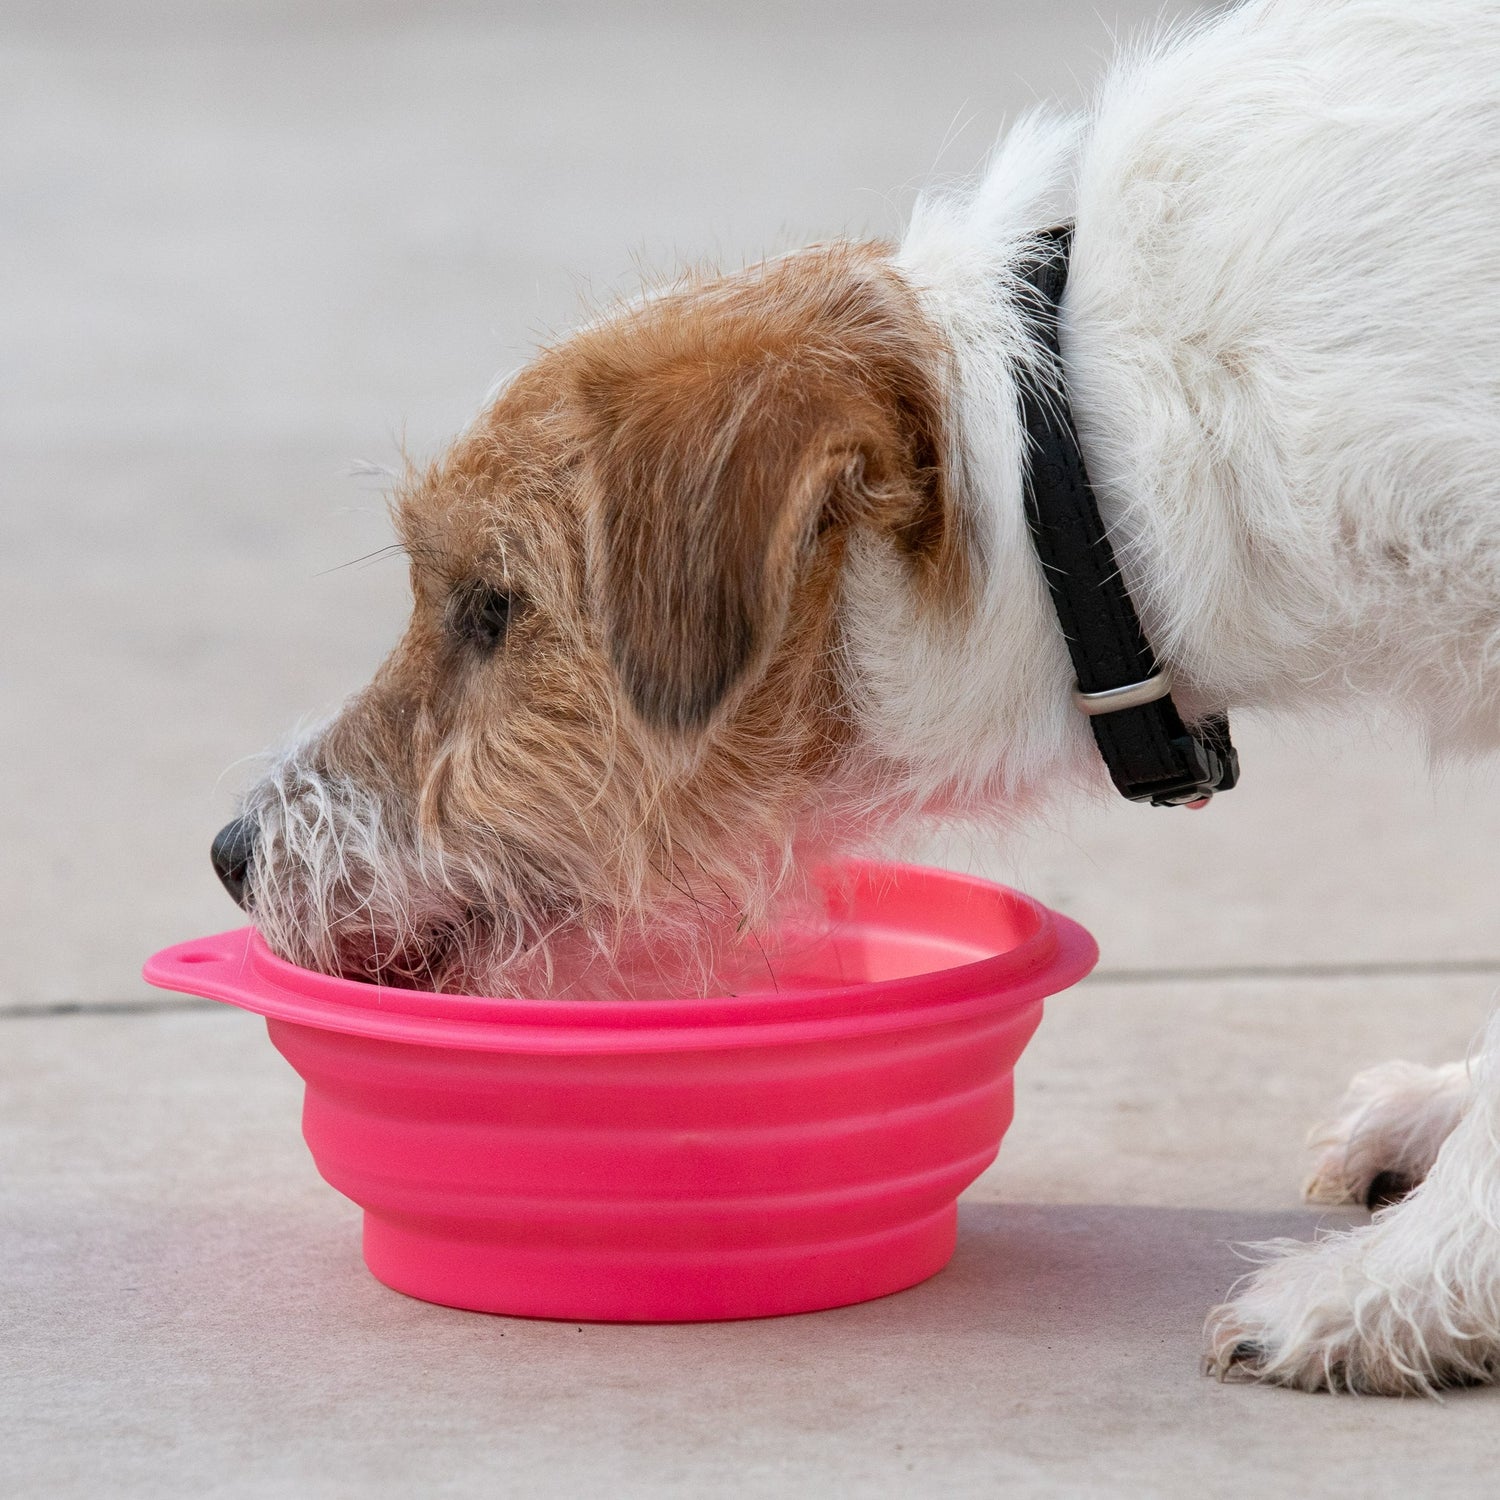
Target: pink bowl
point(669, 1160)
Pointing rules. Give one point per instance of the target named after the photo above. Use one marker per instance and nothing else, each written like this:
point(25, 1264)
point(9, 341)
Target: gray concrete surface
point(243, 246)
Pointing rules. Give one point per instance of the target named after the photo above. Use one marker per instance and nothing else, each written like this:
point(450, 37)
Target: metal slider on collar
point(1115, 700)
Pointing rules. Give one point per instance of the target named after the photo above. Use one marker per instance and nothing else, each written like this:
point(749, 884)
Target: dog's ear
point(722, 437)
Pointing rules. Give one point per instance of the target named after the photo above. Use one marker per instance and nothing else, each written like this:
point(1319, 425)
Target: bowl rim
point(237, 968)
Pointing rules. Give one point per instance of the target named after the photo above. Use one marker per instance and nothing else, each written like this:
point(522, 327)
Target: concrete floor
point(244, 246)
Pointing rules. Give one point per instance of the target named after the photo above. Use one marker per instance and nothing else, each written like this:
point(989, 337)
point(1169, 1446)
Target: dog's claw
point(1242, 1360)
point(1231, 1355)
point(1386, 1188)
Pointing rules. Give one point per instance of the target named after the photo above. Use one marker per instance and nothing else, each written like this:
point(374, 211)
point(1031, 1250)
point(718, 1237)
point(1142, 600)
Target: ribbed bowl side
point(726, 1183)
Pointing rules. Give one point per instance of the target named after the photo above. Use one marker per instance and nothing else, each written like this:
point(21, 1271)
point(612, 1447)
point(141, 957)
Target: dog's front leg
point(1408, 1303)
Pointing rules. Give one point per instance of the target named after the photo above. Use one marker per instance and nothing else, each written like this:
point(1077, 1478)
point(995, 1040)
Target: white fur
point(973, 716)
point(1282, 342)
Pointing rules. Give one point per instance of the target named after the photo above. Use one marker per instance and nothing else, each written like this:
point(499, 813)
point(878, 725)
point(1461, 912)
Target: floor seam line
point(1436, 969)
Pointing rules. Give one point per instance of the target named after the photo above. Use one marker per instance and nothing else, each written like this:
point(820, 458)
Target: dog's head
point(622, 717)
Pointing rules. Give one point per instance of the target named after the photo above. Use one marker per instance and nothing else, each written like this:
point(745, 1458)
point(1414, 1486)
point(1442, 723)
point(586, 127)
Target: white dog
point(743, 573)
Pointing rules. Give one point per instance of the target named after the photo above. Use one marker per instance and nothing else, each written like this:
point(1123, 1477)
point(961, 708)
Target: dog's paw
point(1340, 1315)
point(1385, 1133)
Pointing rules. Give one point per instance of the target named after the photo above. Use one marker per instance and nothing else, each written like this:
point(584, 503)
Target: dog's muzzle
point(233, 849)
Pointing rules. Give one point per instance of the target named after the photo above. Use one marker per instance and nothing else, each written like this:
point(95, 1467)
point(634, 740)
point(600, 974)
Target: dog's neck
point(976, 708)
point(974, 705)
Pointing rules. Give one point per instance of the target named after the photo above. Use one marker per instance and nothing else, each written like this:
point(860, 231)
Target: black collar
point(1151, 755)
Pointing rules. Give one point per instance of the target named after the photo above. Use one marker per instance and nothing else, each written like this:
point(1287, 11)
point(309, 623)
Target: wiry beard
point(344, 883)
point(341, 886)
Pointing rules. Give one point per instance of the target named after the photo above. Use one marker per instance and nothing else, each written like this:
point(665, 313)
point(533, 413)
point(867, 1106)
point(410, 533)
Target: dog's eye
point(481, 615)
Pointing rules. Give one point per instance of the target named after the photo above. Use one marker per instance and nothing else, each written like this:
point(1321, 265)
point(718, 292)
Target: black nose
point(234, 847)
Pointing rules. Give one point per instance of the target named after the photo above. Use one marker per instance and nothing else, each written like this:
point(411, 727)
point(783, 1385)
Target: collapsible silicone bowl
point(674, 1160)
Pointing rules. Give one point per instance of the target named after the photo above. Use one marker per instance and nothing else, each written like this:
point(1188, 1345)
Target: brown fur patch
point(723, 435)
point(652, 738)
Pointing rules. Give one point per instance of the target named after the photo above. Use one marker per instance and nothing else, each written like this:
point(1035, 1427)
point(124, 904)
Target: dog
point(740, 575)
